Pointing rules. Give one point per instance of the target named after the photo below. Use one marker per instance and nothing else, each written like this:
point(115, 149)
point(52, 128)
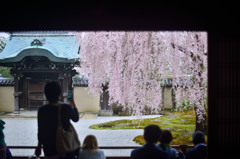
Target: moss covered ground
point(181, 124)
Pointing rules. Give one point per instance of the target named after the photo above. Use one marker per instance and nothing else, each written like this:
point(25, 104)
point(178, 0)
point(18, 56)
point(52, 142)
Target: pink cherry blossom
point(135, 65)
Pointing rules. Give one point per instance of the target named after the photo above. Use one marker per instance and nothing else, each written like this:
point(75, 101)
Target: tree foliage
point(4, 71)
point(135, 65)
point(2, 43)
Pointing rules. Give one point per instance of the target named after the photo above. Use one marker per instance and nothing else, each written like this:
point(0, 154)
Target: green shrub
point(139, 139)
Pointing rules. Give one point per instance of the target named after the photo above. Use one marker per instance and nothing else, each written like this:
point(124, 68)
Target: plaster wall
point(6, 99)
point(167, 100)
point(84, 101)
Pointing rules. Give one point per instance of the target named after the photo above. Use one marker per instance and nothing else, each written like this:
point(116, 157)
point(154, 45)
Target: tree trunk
point(104, 99)
point(202, 125)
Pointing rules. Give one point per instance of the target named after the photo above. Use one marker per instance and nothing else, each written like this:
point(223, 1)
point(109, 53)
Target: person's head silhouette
point(152, 133)
point(52, 91)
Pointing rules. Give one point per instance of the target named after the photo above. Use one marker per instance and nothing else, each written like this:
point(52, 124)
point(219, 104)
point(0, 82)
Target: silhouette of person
point(5, 153)
point(90, 149)
point(164, 145)
point(48, 120)
point(2, 141)
point(150, 150)
point(200, 149)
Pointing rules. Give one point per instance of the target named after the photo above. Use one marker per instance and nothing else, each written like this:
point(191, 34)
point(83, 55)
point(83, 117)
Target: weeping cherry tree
point(134, 66)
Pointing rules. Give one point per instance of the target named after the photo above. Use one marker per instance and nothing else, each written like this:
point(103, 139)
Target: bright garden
point(182, 124)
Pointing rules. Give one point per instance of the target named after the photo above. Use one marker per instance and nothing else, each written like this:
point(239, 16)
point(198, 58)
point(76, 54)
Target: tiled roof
point(81, 82)
point(168, 82)
point(57, 46)
point(84, 82)
point(6, 81)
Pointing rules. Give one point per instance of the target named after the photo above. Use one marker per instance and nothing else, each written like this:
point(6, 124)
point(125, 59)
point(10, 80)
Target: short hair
point(198, 137)
point(152, 133)
point(166, 137)
point(52, 91)
point(90, 142)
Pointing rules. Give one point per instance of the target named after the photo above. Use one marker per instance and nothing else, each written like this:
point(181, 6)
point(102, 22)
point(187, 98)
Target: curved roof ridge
point(62, 45)
point(41, 33)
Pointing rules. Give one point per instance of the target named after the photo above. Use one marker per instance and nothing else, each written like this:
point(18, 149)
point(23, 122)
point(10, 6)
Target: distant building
point(36, 58)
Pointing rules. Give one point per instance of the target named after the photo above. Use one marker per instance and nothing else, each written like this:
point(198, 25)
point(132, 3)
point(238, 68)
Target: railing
point(178, 147)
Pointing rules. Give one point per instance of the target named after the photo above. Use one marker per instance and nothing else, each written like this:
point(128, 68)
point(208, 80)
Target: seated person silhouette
point(90, 149)
point(200, 149)
point(164, 145)
point(151, 135)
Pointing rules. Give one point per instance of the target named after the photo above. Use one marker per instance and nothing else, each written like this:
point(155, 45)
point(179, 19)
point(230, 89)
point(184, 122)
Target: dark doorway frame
point(218, 19)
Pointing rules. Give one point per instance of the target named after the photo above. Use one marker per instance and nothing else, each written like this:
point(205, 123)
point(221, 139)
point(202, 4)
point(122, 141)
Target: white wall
point(84, 101)
point(167, 97)
point(6, 99)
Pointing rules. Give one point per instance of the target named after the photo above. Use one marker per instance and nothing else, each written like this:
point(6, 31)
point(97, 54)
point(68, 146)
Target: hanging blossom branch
point(135, 64)
point(194, 51)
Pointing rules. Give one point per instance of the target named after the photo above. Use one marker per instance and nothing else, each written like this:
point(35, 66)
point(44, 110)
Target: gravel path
point(23, 132)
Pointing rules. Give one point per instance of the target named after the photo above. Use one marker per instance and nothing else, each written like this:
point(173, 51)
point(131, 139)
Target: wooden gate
point(36, 97)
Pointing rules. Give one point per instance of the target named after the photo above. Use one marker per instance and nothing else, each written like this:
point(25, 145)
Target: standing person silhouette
point(2, 141)
point(48, 120)
point(5, 153)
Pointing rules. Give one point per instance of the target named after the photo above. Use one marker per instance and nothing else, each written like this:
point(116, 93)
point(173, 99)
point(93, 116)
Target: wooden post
point(104, 99)
point(65, 87)
point(16, 95)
